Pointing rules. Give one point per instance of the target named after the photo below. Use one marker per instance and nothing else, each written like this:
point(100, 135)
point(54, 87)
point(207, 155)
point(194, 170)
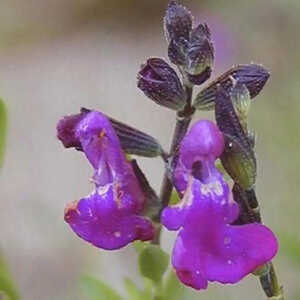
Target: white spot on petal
point(117, 234)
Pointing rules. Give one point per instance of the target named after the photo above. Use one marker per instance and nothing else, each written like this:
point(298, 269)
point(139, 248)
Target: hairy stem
point(183, 121)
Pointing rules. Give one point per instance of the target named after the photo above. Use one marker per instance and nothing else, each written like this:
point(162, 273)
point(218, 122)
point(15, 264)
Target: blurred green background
point(59, 55)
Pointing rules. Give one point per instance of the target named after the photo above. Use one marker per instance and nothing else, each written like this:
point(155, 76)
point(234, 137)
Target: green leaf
point(132, 290)
point(7, 285)
point(96, 289)
point(139, 246)
point(173, 289)
point(153, 263)
point(3, 126)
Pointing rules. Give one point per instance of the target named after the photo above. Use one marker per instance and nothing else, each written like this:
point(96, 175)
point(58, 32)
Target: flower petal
point(100, 220)
point(99, 139)
point(66, 130)
point(202, 200)
point(247, 247)
point(210, 252)
point(203, 140)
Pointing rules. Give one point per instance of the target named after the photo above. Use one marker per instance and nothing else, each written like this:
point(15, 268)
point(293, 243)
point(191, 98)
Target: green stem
point(270, 284)
point(184, 118)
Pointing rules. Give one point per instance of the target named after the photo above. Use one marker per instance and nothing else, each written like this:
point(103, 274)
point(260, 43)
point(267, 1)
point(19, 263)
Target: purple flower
point(111, 216)
point(208, 247)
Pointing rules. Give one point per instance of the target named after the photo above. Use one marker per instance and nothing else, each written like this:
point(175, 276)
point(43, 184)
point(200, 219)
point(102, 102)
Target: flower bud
point(200, 55)
point(189, 48)
point(177, 51)
point(161, 84)
point(254, 77)
point(177, 22)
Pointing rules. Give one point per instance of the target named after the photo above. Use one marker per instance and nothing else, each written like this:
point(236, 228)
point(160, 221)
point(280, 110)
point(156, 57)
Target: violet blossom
point(111, 216)
point(208, 247)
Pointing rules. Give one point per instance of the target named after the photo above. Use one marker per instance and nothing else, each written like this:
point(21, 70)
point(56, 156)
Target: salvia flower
point(208, 247)
point(190, 48)
point(161, 84)
point(111, 216)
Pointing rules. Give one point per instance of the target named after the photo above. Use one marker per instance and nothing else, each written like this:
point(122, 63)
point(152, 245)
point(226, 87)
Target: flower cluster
point(220, 235)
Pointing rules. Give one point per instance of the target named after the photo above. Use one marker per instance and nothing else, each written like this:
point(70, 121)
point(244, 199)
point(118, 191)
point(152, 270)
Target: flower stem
point(184, 118)
point(270, 284)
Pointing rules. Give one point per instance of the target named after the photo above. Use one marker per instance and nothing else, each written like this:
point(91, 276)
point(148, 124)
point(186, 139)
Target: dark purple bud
point(238, 157)
point(177, 51)
point(254, 77)
point(161, 84)
point(200, 55)
point(136, 142)
point(177, 22)
point(200, 78)
point(200, 33)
